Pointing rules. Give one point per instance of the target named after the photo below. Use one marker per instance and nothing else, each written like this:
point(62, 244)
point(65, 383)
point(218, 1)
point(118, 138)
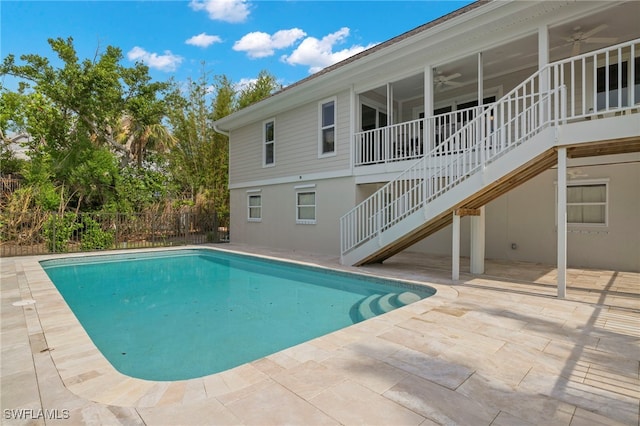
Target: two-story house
point(505, 130)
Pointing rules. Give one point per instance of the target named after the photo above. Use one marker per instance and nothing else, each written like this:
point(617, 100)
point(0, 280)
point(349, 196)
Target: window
point(372, 118)
point(254, 208)
point(306, 207)
point(327, 127)
point(614, 82)
point(269, 137)
point(587, 203)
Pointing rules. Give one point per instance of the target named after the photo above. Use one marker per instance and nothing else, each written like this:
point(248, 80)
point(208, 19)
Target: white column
point(477, 243)
point(390, 114)
point(562, 222)
point(480, 80)
point(353, 111)
point(543, 55)
point(455, 248)
point(428, 107)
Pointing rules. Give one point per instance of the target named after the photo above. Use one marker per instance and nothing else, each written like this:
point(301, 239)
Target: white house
point(471, 135)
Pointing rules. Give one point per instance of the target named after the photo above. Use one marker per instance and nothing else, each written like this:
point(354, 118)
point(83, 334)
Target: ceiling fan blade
point(601, 40)
point(594, 31)
point(576, 49)
point(450, 77)
point(453, 83)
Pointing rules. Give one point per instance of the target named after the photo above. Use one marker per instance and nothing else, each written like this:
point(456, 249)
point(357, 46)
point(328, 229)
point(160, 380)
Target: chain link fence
point(30, 233)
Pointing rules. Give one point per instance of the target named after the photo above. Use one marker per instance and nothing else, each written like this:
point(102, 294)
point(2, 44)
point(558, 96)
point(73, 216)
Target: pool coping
point(89, 375)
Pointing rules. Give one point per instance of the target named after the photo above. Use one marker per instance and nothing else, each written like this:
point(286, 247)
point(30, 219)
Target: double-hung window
point(327, 131)
point(269, 143)
point(306, 206)
point(254, 208)
point(587, 203)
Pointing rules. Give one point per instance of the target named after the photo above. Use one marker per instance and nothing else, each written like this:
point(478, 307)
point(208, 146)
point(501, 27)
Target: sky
point(291, 39)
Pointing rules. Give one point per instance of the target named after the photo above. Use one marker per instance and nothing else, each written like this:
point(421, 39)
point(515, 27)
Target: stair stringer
point(437, 214)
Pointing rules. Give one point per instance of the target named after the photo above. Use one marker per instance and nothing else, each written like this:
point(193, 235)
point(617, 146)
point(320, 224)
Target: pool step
point(377, 304)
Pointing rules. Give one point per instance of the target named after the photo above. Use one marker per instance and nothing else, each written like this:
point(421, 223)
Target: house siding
point(296, 146)
point(278, 227)
point(510, 46)
point(526, 217)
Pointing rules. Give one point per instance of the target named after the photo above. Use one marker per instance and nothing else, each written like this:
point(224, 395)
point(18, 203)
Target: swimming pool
point(181, 314)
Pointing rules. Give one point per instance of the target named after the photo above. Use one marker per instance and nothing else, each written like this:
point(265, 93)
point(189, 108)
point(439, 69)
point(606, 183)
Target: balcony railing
point(597, 83)
point(406, 141)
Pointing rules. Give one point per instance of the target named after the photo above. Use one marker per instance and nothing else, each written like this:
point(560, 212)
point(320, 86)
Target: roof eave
point(305, 86)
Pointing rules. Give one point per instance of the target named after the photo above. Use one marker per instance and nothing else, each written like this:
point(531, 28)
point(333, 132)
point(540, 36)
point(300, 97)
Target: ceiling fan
point(579, 36)
point(441, 81)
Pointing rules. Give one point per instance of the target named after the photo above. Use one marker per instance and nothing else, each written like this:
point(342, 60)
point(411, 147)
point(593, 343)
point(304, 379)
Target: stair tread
point(407, 297)
point(386, 302)
point(365, 309)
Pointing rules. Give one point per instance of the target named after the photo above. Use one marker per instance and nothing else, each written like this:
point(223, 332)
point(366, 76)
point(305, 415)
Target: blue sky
point(236, 38)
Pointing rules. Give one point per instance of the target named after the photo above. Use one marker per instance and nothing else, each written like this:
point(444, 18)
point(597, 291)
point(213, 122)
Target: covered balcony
point(595, 58)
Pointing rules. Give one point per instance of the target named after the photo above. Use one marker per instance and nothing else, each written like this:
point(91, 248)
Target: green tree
point(262, 87)
point(92, 96)
point(85, 120)
point(199, 158)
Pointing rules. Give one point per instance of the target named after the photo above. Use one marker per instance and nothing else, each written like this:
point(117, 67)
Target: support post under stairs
point(455, 248)
point(477, 243)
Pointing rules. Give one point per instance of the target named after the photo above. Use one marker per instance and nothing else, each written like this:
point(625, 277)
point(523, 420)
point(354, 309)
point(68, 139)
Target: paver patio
point(493, 349)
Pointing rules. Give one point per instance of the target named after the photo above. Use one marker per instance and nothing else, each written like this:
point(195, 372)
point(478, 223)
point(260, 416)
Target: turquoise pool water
point(182, 314)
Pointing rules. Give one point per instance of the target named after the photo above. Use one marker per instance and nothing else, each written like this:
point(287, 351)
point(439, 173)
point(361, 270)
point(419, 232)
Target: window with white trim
point(327, 131)
point(587, 203)
point(254, 208)
point(306, 207)
point(269, 143)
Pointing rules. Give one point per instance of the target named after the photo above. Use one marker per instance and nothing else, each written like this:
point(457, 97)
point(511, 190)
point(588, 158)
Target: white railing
point(601, 81)
point(501, 127)
point(584, 86)
point(406, 141)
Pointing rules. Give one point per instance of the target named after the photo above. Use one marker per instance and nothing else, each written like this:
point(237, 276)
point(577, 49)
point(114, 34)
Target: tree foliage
point(101, 136)
point(89, 98)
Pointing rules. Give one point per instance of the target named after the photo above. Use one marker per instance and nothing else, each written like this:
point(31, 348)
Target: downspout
point(217, 130)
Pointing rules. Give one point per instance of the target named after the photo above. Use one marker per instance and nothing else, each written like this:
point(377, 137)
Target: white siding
point(296, 149)
point(526, 217)
point(278, 228)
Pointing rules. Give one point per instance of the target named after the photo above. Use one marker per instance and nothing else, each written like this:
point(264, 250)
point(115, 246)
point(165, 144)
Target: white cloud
point(244, 83)
point(318, 54)
point(166, 62)
point(260, 45)
point(203, 40)
point(223, 10)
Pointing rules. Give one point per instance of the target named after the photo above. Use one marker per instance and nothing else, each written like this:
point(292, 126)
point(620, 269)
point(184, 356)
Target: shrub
point(58, 230)
point(94, 237)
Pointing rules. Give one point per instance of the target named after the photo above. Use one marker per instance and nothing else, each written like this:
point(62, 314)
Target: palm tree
point(139, 138)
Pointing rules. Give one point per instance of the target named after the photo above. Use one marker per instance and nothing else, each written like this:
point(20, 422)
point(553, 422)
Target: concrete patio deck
point(495, 349)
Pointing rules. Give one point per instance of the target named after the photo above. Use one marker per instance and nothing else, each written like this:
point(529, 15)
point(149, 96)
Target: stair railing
point(537, 102)
point(505, 124)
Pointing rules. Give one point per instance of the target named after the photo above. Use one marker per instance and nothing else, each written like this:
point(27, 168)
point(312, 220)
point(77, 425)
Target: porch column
point(543, 56)
point(455, 248)
point(562, 222)
point(390, 112)
point(353, 111)
point(428, 108)
point(480, 79)
point(477, 243)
